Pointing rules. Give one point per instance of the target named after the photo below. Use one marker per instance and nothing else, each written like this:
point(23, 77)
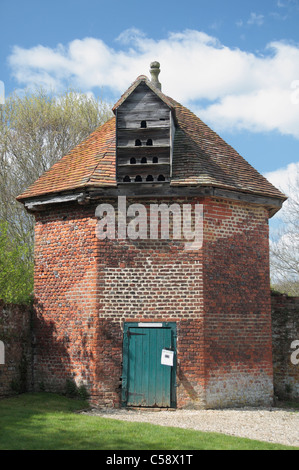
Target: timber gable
point(144, 128)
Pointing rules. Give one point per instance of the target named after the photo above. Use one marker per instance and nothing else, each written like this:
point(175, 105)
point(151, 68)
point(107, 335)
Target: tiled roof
point(200, 157)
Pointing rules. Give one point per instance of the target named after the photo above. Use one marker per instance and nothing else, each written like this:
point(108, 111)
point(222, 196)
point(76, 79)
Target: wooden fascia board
point(162, 190)
point(35, 204)
point(144, 190)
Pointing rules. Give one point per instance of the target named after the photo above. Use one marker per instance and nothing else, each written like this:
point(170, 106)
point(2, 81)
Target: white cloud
point(256, 19)
point(287, 4)
point(241, 90)
point(260, 110)
point(287, 180)
point(284, 178)
point(129, 35)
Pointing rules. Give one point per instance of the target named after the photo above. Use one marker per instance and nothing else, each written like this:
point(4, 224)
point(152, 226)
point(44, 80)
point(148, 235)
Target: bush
point(73, 391)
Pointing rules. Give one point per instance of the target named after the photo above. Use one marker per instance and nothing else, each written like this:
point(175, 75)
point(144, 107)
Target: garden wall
point(15, 349)
point(16, 338)
point(285, 332)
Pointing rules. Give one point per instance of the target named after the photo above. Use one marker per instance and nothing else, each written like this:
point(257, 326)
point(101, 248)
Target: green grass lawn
point(46, 421)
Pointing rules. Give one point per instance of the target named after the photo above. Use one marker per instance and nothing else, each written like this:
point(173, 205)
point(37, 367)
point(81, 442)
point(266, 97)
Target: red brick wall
point(285, 327)
point(237, 318)
point(15, 333)
point(67, 289)
point(86, 289)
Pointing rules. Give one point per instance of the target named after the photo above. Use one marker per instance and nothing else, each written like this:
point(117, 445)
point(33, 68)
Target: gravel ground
point(271, 425)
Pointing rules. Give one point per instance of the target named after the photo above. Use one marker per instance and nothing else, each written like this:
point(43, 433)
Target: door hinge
point(129, 333)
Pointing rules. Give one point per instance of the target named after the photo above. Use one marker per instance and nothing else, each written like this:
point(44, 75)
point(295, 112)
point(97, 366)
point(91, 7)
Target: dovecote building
point(131, 305)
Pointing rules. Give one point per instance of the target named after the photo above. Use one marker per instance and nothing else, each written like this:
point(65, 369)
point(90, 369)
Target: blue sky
point(234, 63)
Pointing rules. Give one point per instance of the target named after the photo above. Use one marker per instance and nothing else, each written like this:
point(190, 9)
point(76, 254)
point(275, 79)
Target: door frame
point(125, 365)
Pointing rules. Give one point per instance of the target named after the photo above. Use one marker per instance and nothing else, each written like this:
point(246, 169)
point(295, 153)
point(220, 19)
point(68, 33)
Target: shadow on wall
point(108, 343)
point(53, 350)
point(74, 354)
point(15, 348)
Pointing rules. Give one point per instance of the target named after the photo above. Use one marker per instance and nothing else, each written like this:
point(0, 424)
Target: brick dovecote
point(212, 302)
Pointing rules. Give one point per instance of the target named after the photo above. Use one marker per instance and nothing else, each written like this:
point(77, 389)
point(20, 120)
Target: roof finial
point(154, 71)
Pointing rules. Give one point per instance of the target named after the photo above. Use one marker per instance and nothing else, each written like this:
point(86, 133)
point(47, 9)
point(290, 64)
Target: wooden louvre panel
point(143, 138)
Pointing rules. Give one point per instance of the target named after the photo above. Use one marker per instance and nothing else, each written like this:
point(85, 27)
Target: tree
point(36, 130)
point(284, 249)
point(16, 269)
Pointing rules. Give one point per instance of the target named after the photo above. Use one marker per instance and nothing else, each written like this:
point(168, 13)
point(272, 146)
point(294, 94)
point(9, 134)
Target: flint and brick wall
point(15, 334)
point(285, 327)
point(86, 289)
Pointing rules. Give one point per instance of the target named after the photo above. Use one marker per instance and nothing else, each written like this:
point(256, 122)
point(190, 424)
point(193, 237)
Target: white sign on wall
point(167, 357)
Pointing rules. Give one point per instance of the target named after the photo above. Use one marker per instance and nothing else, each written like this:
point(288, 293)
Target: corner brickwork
point(237, 319)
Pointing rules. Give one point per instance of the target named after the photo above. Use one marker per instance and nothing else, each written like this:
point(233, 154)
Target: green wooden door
point(147, 382)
